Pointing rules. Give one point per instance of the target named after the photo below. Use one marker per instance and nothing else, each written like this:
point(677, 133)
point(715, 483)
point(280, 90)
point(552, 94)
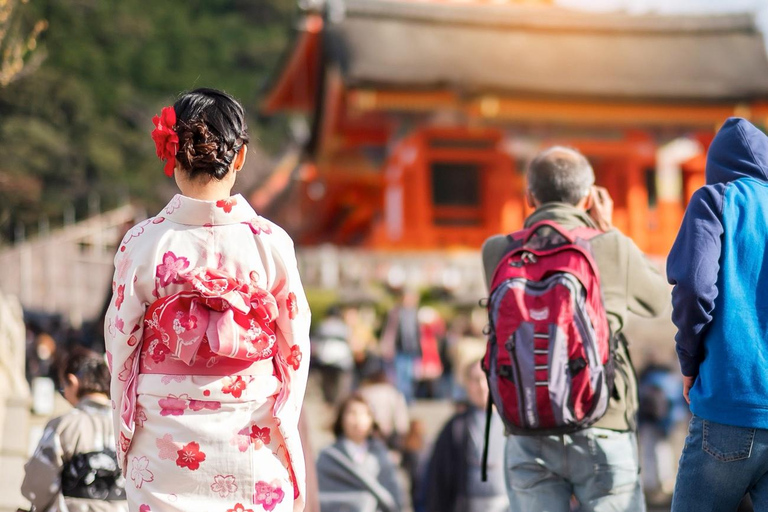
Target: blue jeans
point(600, 467)
point(404, 364)
point(719, 465)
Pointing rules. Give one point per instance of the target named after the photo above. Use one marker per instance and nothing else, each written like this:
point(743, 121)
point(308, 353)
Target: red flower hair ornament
point(166, 139)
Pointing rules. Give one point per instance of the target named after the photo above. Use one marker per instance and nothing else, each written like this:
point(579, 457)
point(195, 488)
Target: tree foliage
point(17, 45)
point(79, 126)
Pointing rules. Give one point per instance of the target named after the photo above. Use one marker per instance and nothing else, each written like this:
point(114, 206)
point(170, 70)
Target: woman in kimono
point(206, 332)
point(356, 474)
point(73, 468)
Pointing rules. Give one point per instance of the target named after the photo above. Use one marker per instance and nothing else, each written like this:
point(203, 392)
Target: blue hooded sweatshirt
point(719, 266)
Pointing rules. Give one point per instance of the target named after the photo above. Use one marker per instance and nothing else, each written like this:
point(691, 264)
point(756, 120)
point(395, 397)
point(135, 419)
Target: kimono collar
point(195, 212)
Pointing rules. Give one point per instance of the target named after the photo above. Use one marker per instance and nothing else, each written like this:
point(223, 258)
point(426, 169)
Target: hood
point(739, 150)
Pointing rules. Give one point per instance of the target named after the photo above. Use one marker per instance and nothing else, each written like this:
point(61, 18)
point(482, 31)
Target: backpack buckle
point(528, 257)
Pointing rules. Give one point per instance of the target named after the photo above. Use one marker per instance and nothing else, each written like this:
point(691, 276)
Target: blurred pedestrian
point(356, 474)
point(388, 406)
point(74, 468)
point(208, 332)
point(661, 409)
point(453, 482)
point(429, 367)
point(401, 342)
point(332, 356)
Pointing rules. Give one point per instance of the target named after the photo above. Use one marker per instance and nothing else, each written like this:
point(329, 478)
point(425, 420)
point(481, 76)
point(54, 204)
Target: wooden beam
point(561, 111)
point(599, 113)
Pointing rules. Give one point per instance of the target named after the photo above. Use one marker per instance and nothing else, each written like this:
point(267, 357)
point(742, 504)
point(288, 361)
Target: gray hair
point(560, 174)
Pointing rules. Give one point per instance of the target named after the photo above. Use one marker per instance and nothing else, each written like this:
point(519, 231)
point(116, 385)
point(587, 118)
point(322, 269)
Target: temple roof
point(477, 48)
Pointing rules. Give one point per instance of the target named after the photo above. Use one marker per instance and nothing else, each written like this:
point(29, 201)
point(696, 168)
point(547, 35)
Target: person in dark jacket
point(719, 268)
point(355, 474)
point(453, 481)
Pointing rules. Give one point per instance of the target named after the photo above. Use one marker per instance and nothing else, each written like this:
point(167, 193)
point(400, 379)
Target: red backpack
point(550, 355)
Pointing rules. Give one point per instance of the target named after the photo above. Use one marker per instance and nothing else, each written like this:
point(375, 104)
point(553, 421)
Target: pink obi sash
point(220, 327)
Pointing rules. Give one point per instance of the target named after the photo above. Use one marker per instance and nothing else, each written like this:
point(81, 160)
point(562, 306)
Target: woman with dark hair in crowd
point(74, 468)
point(355, 474)
point(206, 333)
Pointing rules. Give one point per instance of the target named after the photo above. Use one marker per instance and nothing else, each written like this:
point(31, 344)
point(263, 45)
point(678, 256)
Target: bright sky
point(759, 7)
point(669, 6)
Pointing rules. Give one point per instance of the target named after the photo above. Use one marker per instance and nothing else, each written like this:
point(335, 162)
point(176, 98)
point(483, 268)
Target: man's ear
point(530, 199)
point(588, 202)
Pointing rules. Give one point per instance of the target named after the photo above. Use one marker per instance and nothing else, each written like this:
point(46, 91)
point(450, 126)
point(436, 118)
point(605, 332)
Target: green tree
point(80, 125)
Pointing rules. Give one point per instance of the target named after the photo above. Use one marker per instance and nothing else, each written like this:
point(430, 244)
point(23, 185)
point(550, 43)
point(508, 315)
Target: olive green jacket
point(629, 282)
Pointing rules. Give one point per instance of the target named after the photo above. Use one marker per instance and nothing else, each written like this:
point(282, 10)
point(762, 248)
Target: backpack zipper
point(510, 345)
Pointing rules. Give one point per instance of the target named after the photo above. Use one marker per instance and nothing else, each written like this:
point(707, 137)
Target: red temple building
point(423, 115)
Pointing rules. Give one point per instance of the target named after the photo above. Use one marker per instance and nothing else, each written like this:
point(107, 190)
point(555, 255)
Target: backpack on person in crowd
point(550, 354)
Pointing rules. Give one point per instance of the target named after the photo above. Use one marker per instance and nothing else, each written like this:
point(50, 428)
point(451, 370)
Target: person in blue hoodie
point(719, 268)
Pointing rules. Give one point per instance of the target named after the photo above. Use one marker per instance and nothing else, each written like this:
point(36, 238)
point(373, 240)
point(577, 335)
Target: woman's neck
point(211, 191)
point(205, 189)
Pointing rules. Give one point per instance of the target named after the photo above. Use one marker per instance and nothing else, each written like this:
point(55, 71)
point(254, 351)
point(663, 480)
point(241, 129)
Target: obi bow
point(236, 318)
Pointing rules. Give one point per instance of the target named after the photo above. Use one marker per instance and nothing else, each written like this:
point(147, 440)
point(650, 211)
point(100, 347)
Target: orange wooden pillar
point(637, 202)
point(612, 177)
point(694, 176)
point(514, 209)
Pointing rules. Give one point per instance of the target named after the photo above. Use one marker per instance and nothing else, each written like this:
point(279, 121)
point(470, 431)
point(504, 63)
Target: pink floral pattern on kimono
point(167, 449)
point(224, 485)
point(226, 204)
point(268, 496)
point(258, 226)
point(241, 439)
point(172, 406)
point(294, 359)
point(190, 457)
point(120, 296)
point(169, 270)
point(140, 472)
point(235, 386)
point(239, 507)
point(260, 436)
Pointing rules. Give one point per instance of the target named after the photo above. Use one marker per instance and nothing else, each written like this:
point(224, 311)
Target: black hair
point(90, 369)
point(211, 128)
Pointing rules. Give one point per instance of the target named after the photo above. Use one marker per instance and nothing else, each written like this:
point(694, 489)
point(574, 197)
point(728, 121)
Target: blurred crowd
point(371, 367)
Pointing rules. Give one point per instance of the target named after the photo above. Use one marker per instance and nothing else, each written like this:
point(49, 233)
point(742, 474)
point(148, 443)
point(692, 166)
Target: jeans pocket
point(615, 460)
point(727, 443)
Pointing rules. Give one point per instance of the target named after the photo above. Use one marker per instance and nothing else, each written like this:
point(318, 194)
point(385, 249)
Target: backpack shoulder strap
point(514, 241)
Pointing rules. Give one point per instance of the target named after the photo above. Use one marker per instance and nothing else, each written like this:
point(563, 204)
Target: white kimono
point(205, 336)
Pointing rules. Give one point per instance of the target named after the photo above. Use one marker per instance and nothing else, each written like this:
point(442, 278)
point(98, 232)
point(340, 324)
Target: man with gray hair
point(597, 465)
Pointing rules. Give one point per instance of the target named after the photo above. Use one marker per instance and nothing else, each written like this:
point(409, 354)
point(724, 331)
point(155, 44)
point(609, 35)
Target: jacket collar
point(194, 212)
point(564, 214)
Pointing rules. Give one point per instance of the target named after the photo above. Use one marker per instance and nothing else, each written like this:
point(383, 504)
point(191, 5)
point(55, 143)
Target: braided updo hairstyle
point(211, 128)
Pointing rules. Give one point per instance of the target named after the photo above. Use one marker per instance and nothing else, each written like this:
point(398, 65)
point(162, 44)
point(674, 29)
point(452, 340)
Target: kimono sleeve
point(42, 473)
point(293, 324)
point(123, 330)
